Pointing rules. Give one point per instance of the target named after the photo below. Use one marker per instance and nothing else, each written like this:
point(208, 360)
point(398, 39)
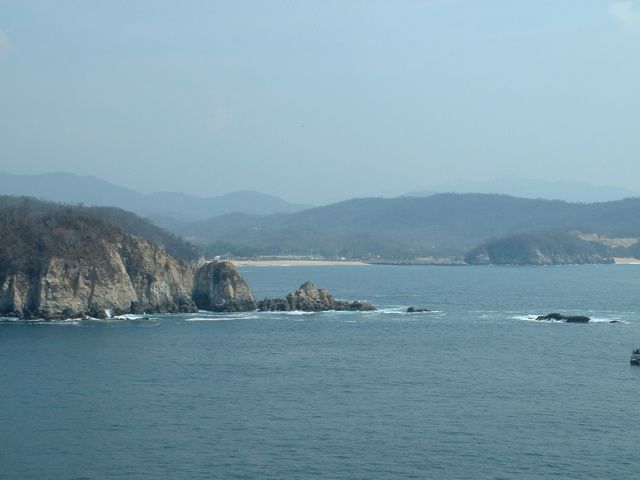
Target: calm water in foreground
point(475, 389)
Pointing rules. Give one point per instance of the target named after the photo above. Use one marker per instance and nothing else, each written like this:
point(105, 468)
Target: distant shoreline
point(284, 263)
point(629, 260)
point(293, 263)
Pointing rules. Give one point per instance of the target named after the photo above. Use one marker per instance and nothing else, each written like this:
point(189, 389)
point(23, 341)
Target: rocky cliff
point(129, 275)
point(60, 262)
point(219, 287)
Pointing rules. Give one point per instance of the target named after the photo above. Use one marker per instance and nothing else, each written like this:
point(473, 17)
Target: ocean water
point(474, 389)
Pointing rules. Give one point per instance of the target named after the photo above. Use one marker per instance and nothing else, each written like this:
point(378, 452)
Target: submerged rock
point(309, 298)
point(564, 318)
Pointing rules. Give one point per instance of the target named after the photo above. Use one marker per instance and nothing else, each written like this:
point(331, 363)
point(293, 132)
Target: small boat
point(635, 357)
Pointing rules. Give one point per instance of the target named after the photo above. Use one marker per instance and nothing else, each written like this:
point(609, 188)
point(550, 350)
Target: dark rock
point(187, 305)
point(274, 305)
point(359, 306)
point(564, 318)
point(308, 298)
point(416, 310)
point(219, 287)
point(136, 308)
point(98, 313)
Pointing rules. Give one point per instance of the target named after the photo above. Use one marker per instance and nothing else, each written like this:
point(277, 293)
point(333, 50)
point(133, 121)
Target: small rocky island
point(564, 318)
point(417, 310)
point(308, 298)
point(219, 287)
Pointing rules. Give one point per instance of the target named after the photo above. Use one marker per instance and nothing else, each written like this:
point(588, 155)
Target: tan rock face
point(80, 287)
point(14, 293)
point(156, 277)
point(128, 275)
point(219, 287)
point(309, 298)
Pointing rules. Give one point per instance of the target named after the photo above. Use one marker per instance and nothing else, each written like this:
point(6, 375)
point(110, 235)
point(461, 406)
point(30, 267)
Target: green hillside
point(409, 227)
point(31, 219)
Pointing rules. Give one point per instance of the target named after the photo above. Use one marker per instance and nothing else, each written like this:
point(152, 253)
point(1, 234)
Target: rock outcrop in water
point(219, 287)
point(564, 318)
point(308, 298)
point(417, 310)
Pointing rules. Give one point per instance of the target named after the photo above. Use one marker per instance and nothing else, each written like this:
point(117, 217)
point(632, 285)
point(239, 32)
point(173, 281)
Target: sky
point(320, 101)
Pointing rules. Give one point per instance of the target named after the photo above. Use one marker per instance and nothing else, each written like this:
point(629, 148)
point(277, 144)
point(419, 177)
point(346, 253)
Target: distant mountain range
point(524, 188)
point(91, 191)
point(405, 227)
point(166, 207)
point(412, 226)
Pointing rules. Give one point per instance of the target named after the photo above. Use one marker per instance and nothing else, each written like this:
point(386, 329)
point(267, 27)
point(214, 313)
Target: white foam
point(533, 318)
point(403, 311)
point(131, 316)
point(66, 321)
point(221, 318)
point(608, 320)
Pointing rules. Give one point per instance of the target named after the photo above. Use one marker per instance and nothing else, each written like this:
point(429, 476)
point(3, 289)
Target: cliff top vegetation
point(32, 231)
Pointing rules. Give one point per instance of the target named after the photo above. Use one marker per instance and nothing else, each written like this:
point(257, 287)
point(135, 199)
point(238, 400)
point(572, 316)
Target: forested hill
point(27, 214)
point(409, 226)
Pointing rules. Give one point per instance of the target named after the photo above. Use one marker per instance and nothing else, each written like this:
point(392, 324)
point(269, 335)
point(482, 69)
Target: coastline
point(626, 260)
point(286, 263)
point(293, 263)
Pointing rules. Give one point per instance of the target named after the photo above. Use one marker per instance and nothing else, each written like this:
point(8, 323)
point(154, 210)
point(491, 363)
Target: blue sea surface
point(474, 389)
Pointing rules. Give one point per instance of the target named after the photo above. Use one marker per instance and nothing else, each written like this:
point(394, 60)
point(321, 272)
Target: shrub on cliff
point(24, 217)
point(175, 246)
point(32, 232)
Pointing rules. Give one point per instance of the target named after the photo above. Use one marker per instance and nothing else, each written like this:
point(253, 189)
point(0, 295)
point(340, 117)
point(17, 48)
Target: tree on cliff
point(28, 210)
point(32, 232)
point(175, 246)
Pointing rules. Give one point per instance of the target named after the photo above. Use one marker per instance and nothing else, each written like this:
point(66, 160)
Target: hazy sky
point(319, 101)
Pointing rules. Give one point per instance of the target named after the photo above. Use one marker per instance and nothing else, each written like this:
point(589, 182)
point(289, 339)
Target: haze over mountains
point(525, 188)
point(412, 226)
point(74, 189)
point(440, 225)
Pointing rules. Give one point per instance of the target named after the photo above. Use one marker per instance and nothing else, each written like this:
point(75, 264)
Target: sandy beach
point(292, 263)
point(626, 260)
point(238, 263)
